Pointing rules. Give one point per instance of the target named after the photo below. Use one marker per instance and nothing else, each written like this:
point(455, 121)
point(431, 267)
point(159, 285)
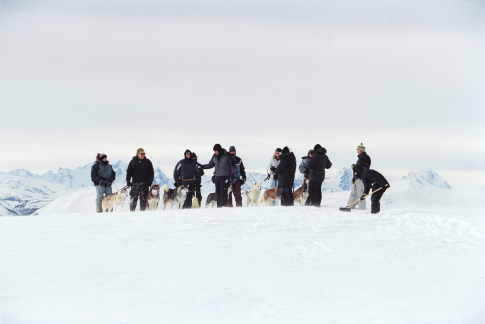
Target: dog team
point(229, 175)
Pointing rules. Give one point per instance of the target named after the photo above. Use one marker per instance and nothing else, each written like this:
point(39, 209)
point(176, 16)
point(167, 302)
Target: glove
point(272, 169)
point(353, 181)
point(363, 197)
point(352, 166)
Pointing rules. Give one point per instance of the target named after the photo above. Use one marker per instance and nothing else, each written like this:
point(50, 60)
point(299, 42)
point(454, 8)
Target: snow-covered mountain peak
point(21, 173)
point(427, 177)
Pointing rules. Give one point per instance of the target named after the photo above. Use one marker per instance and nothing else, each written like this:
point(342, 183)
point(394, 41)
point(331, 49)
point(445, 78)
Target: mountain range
point(22, 192)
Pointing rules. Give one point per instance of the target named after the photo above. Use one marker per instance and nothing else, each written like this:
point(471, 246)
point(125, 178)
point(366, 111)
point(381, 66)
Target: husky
point(174, 196)
point(252, 196)
point(153, 198)
point(212, 198)
point(301, 194)
point(269, 195)
point(110, 202)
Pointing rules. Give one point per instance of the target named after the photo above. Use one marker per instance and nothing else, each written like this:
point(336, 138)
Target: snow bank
point(245, 265)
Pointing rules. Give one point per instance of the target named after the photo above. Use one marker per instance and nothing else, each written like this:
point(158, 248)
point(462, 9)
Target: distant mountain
point(427, 177)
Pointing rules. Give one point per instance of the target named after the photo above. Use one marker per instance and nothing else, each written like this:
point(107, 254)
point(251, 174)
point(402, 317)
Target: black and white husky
point(174, 196)
point(212, 197)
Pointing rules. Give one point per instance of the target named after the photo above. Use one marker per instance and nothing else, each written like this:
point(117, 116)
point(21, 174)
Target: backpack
point(237, 173)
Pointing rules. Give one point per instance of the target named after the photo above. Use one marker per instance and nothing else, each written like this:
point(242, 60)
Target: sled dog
point(212, 198)
point(269, 195)
point(174, 196)
point(301, 194)
point(252, 196)
point(153, 198)
point(110, 202)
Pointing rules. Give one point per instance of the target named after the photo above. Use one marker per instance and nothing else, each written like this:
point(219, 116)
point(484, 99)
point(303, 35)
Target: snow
point(245, 265)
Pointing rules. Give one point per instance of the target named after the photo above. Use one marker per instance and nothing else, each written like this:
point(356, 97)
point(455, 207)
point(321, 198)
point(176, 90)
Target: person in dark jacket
point(224, 164)
point(185, 173)
point(375, 180)
point(285, 173)
point(102, 175)
point(198, 184)
point(317, 165)
point(358, 186)
point(139, 176)
point(237, 180)
point(304, 169)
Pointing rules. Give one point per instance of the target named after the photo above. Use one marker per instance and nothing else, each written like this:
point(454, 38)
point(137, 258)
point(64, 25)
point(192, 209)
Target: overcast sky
point(406, 78)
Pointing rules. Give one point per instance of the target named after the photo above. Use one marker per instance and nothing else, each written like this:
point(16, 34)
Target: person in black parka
point(317, 165)
point(198, 184)
point(102, 175)
point(375, 180)
point(357, 185)
point(139, 176)
point(225, 166)
point(185, 173)
point(285, 173)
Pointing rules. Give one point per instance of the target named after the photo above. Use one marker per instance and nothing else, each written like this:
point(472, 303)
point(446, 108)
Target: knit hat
point(361, 147)
point(217, 147)
point(278, 150)
point(232, 148)
point(102, 156)
point(285, 150)
point(317, 146)
point(194, 155)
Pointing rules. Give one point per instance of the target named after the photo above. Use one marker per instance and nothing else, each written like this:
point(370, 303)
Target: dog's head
point(155, 189)
point(258, 186)
point(183, 189)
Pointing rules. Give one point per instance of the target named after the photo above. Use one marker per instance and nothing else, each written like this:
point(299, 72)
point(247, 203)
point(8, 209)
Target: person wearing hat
point(273, 163)
point(358, 186)
point(102, 175)
point(198, 184)
point(375, 180)
point(286, 175)
point(237, 180)
point(185, 174)
point(139, 176)
point(304, 170)
point(316, 175)
point(225, 166)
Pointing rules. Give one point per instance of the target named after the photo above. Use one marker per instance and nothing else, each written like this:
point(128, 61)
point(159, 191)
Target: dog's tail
point(246, 192)
point(165, 189)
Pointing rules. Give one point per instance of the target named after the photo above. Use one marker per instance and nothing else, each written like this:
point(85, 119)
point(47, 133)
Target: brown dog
point(301, 194)
point(153, 197)
point(269, 195)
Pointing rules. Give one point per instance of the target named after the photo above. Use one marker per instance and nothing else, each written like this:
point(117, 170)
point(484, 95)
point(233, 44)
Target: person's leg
point(225, 186)
point(99, 198)
point(353, 195)
point(319, 194)
point(312, 191)
point(143, 197)
point(375, 201)
point(285, 196)
point(229, 199)
point(134, 192)
point(198, 194)
point(188, 200)
point(219, 188)
point(359, 192)
point(236, 188)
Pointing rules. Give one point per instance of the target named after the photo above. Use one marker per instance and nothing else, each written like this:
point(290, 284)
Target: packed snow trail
point(244, 265)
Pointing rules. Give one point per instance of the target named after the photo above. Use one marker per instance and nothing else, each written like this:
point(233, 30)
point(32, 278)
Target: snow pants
point(286, 196)
point(138, 190)
point(222, 183)
point(188, 200)
point(376, 199)
point(101, 191)
point(315, 193)
point(236, 190)
point(197, 193)
point(355, 193)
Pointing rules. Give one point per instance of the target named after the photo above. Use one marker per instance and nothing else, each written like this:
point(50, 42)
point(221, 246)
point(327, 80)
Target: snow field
point(245, 265)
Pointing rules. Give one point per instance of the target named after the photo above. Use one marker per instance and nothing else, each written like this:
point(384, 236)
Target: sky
point(405, 78)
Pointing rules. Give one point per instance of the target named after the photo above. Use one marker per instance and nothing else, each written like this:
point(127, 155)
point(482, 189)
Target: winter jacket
point(317, 165)
point(102, 171)
point(242, 169)
point(224, 164)
point(273, 162)
point(304, 165)
point(370, 178)
point(363, 160)
point(140, 171)
point(185, 171)
point(286, 170)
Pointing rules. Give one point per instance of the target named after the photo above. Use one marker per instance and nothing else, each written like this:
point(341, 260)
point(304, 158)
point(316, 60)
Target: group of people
point(229, 170)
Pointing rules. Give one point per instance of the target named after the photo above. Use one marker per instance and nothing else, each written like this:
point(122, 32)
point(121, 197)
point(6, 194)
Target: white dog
point(110, 202)
point(252, 196)
point(153, 197)
point(174, 196)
